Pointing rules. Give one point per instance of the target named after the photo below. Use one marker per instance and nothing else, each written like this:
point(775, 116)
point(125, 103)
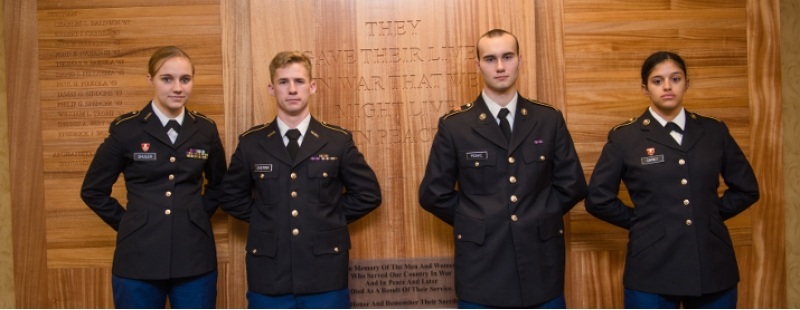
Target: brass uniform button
point(293, 176)
point(688, 222)
point(261, 176)
point(172, 159)
point(686, 202)
point(514, 218)
point(477, 164)
point(684, 181)
point(513, 198)
point(168, 194)
point(560, 231)
point(171, 177)
point(681, 162)
point(294, 194)
point(541, 158)
point(458, 237)
point(295, 231)
point(167, 212)
point(295, 213)
point(511, 160)
point(512, 179)
point(336, 249)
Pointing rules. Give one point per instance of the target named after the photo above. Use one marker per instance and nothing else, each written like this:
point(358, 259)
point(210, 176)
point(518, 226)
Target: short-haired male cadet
point(503, 171)
point(298, 182)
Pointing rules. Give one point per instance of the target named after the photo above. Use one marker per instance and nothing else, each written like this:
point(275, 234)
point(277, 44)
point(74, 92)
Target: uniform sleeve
point(214, 173)
point(237, 187)
point(108, 163)
point(437, 193)
point(740, 179)
point(603, 198)
point(362, 191)
point(569, 182)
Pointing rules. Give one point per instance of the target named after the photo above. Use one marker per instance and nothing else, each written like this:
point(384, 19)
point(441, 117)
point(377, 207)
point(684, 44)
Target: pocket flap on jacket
point(331, 242)
point(551, 227)
point(468, 229)
point(262, 244)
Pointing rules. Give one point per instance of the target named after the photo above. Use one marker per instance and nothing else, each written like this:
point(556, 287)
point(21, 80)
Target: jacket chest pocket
point(323, 181)
point(478, 172)
point(265, 178)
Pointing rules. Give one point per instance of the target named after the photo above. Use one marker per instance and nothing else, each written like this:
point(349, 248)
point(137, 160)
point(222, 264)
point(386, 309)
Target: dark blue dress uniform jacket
point(165, 230)
point(298, 210)
point(507, 210)
point(679, 244)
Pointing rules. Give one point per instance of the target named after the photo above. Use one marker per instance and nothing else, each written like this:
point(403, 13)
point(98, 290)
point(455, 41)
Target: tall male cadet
point(298, 182)
point(503, 171)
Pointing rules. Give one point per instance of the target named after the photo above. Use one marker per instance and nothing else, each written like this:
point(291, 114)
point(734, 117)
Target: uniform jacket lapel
point(188, 129)
point(272, 143)
point(312, 141)
point(153, 125)
point(523, 125)
point(692, 131)
point(487, 126)
point(653, 131)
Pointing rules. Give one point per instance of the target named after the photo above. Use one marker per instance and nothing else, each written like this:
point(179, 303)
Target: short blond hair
point(286, 58)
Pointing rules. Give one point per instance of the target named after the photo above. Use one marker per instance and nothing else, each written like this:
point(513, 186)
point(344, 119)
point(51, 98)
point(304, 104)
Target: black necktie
point(292, 147)
point(173, 124)
point(673, 127)
point(505, 127)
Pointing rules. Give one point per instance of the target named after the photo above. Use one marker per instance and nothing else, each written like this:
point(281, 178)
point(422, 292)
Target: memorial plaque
point(402, 283)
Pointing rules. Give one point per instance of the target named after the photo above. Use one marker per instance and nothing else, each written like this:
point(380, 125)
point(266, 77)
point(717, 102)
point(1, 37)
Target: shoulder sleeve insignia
point(254, 129)
point(200, 115)
point(459, 109)
point(537, 102)
point(125, 117)
point(630, 121)
point(335, 128)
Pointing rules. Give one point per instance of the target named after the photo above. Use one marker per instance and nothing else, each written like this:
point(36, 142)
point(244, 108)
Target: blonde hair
point(286, 58)
point(163, 54)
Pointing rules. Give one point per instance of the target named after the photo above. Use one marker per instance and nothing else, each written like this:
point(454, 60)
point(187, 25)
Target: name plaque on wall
point(402, 283)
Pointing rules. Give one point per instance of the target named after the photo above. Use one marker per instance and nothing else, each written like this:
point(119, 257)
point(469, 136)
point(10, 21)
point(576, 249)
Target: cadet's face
point(499, 63)
point(173, 85)
point(666, 85)
point(292, 87)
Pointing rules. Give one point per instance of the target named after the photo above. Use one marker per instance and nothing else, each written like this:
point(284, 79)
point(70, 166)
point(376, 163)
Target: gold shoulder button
point(335, 128)
point(125, 117)
point(630, 121)
point(460, 109)
point(254, 129)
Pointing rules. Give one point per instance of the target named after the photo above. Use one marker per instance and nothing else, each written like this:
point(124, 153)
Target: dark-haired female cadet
point(680, 252)
point(165, 245)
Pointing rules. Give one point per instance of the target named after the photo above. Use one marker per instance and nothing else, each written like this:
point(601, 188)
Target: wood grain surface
point(386, 70)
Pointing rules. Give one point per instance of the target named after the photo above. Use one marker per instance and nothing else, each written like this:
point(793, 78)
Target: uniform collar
point(163, 118)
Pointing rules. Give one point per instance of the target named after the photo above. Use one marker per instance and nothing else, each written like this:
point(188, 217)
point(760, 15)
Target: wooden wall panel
point(790, 71)
point(6, 241)
point(583, 56)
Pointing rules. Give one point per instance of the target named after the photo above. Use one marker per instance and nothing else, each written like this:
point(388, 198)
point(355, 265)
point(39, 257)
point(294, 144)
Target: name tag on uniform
point(144, 156)
point(655, 159)
point(482, 155)
point(262, 168)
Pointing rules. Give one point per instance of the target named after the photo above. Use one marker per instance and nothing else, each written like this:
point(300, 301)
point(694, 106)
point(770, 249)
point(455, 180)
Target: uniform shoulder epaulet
point(254, 129)
point(695, 115)
point(125, 117)
point(537, 102)
point(464, 108)
point(335, 128)
point(200, 115)
point(628, 122)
